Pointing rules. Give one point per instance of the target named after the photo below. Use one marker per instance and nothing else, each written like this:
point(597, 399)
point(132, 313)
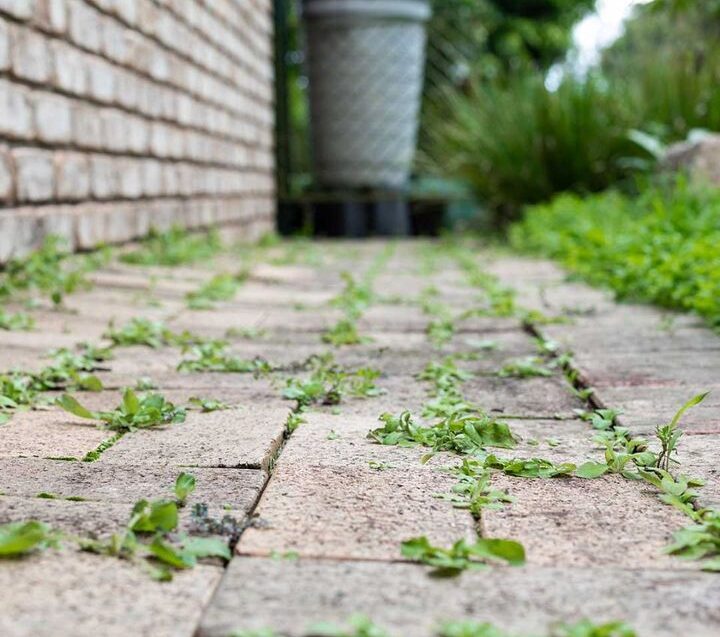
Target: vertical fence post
point(282, 111)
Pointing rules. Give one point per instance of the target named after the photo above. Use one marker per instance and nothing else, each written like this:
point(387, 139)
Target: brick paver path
point(322, 511)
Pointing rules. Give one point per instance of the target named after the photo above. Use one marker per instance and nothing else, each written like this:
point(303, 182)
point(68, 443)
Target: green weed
point(141, 331)
point(222, 287)
point(356, 626)
point(659, 247)
point(150, 539)
point(461, 434)
point(344, 332)
point(16, 322)
point(525, 368)
point(212, 356)
point(462, 555)
point(50, 270)
point(176, 246)
point(134, 412)
point(207, 405)
point(21, 538)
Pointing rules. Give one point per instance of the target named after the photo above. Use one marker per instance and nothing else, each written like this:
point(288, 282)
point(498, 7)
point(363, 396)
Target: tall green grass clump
point(660, 246)
point(515, 142)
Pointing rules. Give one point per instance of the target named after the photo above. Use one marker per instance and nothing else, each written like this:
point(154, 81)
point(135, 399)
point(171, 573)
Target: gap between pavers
point(74, 594)
point(288, 596)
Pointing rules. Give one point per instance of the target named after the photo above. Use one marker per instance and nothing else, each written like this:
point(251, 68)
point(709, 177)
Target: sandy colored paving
point(320, 511)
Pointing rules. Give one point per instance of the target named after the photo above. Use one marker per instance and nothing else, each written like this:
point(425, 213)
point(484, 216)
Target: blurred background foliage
point(514, 140)
point(494, 126)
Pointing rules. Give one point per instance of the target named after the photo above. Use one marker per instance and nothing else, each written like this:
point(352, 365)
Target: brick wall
point(116, 115)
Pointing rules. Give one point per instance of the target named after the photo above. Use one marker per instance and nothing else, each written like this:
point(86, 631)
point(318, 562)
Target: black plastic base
point(357, 219)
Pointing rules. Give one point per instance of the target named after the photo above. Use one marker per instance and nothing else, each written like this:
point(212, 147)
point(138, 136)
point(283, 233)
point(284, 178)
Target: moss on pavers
point(290, 595)
point(72, 594)
point(576, 523)
point(245, 437)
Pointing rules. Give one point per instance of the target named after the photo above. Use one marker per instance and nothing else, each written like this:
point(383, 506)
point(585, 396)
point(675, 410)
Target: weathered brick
point(139, 61)
point(4, 47)
point(15, 113)
point(101, 80)
point(72, 176)
point(130, 178)
point(87, 126)
point(35, 174)
point(103, 180)
point(31, 57)
point(70, 68)
point(6, 175)
point(53, 123)
point(85, 25)
point(21, 9)
point(115, 129)
point(51, 15)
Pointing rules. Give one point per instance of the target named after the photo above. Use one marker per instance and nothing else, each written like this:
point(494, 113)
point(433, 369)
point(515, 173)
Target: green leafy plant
point(150, 539)
point(462, 434)
point(462, 555)
point(212, 356)
point(700, 541)
point(440, 331)
point(177, 246)
point(355, 297)
point(50, 269)
point(206, 405)
point(141, 331)
point(184, 486)
point(356, 626)
point(344, 332)
point(583, 628)
point(17, 391)
point(525, 368)
point(248, 333)
point(21, 538)
point(134, 412)
point(16, 321)
point(474, 491)
point(328, 383)
point(669, 434)
point(631, 457)
point(222, 287)
point(659, 246)
point(530, 467)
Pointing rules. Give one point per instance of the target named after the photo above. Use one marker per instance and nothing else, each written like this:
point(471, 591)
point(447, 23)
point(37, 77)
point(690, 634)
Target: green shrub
point(517, 142)
point(662, 246)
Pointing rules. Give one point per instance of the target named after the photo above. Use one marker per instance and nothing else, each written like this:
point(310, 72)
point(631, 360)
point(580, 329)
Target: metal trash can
point(365, 63)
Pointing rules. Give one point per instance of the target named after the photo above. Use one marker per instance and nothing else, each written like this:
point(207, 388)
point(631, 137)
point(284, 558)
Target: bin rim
point(409, 10)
